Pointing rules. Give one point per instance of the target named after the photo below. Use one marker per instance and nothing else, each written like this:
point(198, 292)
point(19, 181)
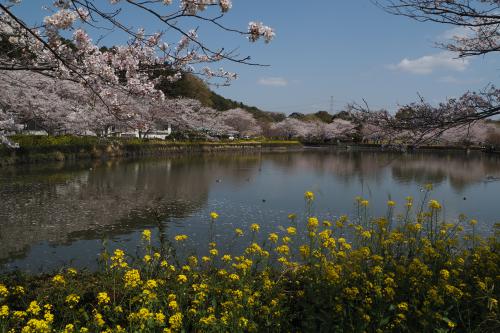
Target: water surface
point(58, 214)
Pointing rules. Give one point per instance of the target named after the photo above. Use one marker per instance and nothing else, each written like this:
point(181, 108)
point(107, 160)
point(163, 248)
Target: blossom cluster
point(113, 73)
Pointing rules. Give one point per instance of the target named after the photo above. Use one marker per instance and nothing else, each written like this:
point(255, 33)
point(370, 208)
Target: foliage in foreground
point(413, 273)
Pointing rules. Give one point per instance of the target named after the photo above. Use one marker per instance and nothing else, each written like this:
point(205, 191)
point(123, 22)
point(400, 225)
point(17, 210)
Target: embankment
point(65, 148)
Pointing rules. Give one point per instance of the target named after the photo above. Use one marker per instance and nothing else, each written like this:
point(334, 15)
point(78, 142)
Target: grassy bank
point(405, 272)
point(35, 149)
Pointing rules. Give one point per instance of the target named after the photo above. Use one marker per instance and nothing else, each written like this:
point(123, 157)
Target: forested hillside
point(190, 86)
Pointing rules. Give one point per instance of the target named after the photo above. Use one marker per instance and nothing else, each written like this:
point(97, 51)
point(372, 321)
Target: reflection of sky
point(243, 189)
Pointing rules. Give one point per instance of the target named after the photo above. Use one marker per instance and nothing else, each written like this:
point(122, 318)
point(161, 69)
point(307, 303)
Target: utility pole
point(331, 104)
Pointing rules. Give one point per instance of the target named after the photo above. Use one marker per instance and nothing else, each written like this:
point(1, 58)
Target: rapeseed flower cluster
point(412, 272)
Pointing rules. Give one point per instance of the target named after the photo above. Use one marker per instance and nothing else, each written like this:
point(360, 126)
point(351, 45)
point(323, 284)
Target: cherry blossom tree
point(476, 133)
point(61, 45)
point(476, 26)
point(56, 105)
point(242, 122)
point(289, 128)
point(7, 124)
point(478, 20)
point(318, 131)
point(59, 106)
point(421, 121)
point(340, 129)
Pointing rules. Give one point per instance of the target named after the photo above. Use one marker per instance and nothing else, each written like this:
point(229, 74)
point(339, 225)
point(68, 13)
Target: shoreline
point(48, 149)
point(403, 149)
point(95, 150)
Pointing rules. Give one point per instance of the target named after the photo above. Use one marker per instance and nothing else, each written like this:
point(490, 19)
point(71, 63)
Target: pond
point(59, 214)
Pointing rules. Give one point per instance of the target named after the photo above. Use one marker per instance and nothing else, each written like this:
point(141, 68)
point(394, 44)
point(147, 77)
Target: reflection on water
point(52, 214)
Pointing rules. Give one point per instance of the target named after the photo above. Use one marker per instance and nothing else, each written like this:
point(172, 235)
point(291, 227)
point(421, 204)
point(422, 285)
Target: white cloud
point(273, 81)
point(455, 32)
point(454, 80)
point(427, 64)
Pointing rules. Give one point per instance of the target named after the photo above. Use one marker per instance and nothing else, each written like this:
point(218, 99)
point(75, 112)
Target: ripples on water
point(53, 215)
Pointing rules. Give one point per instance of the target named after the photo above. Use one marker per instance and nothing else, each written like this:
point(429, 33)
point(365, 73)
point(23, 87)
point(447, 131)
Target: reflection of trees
point(113, 198)
point(84, 201)
point(346, 165)
point(459, 169)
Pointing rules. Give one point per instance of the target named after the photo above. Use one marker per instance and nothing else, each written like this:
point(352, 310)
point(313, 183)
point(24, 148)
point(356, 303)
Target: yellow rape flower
point(146, 235)
point(36, 325)
point(242, 322)
point(72, 300)
point(70, 328)
point(132, 278)
point(103, 298)
point(403, 306)
point(312, 223)
point(151, 284)
point(234, 277)
point(273, 237)
point(214, 215)
point(366, 234)
point(254, 227)
point(118, 259)
point(175, 321)
point(99, 319)
point(173, 305)
point(444, 274)
point(180, 238)
point(58, 279)
point(434, 204)
point(283, 249)
point(309, 196)
point(33, 308)
point(4, 311)
point(159, 318)
point(4, 292)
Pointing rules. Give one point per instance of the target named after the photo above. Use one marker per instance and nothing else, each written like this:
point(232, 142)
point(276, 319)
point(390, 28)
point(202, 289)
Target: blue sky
point(346, 49)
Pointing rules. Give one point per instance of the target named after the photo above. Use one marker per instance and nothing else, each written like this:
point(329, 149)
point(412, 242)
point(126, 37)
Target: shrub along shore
point(405, 272)
point(36, 149)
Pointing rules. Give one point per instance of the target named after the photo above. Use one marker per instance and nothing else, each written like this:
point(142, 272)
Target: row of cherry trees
point(56, 73)
point(96, 88)
point(454, 120)
point(61, 106)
